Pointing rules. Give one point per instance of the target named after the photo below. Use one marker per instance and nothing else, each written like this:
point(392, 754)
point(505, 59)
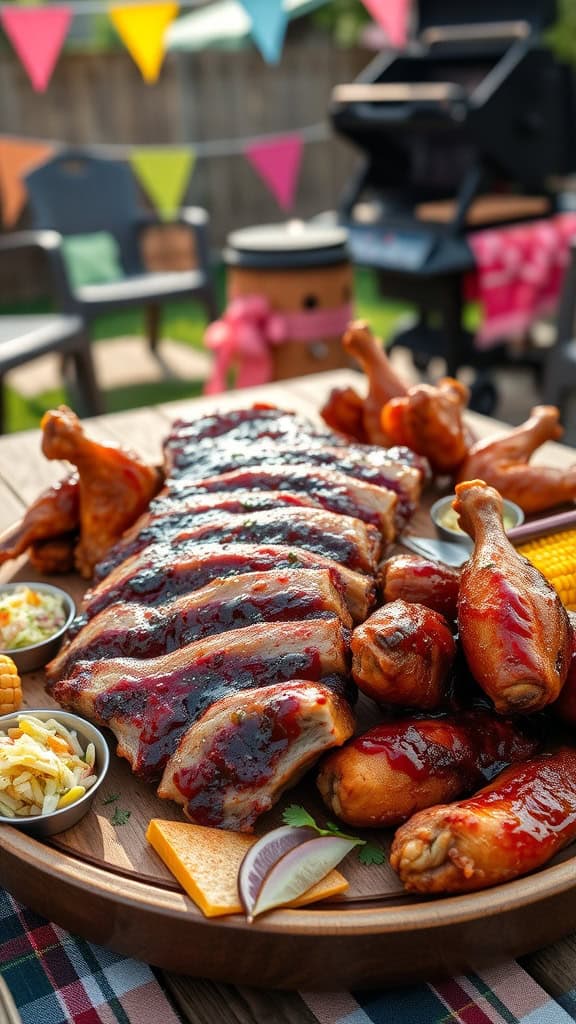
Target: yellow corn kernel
point(71, 796)
point(10, 686)
point(555, 557)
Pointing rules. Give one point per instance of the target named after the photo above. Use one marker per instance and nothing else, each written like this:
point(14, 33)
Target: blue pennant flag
point(268, 19)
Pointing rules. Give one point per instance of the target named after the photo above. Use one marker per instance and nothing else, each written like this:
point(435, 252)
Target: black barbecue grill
point(464, 130)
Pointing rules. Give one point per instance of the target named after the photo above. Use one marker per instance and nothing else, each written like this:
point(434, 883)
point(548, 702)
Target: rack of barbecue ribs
point(215, 641)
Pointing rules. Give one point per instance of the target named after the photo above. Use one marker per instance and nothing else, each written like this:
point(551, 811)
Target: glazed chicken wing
point(429, 419)
point(402, 654)
point(511, 827)
point(503, 462)
point(115, 485)
point(395, 769)
point(420, 581)
point(513, 627)
point(54, 513)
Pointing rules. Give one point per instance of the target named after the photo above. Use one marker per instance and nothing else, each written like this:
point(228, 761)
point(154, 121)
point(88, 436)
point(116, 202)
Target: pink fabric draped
point(245, 334)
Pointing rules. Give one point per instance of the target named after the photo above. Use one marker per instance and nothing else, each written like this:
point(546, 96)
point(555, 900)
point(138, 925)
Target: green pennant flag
point(164, 175)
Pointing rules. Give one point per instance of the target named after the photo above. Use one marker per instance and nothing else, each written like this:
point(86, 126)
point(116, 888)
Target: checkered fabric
point(55, 978)
point(502, 995)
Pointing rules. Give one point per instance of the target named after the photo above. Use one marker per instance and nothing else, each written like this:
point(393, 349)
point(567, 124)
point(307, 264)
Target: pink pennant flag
point(37, 35)
point(393, 16)
point(278, 164)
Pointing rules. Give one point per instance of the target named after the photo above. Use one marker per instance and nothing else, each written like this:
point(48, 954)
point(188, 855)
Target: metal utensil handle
point(540, 527)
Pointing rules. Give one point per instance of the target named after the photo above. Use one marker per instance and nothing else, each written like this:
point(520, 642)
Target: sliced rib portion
point(131, 630)
point(344, 538)
point(333, 490)
point(236, 761)
point(164, 511)
point(162, 572)
point(148, 704)
point(252, 424)
point(393, 469)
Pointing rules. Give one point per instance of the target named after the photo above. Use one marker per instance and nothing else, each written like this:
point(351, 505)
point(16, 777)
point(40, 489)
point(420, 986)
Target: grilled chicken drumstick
point(503, 462)
point(360, 417)
point(513, 627)
point(384, 776)
point(565, 706)
point(402, 655)
point(511, 827)
point(115, 485)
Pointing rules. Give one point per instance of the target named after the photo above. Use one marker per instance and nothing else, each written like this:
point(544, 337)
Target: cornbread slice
point(206, 862)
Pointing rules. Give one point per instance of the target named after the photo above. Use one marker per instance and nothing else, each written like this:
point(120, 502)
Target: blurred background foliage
point(562, 37)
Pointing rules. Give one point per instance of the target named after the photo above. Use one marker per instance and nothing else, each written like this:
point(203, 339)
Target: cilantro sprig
point(120, 817)
point(369, 852)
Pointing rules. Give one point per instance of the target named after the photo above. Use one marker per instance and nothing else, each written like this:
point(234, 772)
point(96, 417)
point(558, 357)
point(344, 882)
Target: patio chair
point(79, 196)
point(24, 338)
point(560, 369)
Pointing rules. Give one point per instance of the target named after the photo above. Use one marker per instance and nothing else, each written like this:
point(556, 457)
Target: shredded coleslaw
point(42, 768)
point(28, 616)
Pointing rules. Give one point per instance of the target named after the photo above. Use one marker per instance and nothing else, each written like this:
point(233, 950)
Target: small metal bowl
point(28, 659)
point(42, 825)
point(511, 511)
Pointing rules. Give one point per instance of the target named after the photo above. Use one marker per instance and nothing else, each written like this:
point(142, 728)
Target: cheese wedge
point(206, 862)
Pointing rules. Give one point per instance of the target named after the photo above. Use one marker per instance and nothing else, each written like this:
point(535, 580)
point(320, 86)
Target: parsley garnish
point(111, 798)
point(120, 817)
point(370, 854)
point(298, 817)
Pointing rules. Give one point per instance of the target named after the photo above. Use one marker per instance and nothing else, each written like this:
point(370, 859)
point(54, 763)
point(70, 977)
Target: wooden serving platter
point(103, 881)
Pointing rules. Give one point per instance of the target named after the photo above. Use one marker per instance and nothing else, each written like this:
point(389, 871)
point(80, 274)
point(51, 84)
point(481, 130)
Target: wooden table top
point(24, 472)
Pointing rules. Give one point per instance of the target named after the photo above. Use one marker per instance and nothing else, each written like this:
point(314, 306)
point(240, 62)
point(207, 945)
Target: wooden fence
point(100, 98)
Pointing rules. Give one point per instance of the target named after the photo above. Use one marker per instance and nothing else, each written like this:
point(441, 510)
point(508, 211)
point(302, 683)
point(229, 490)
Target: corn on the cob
point(555, 557)
point(10, 686)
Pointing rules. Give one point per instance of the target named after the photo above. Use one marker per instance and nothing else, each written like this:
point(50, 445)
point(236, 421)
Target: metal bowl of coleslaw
point(32, 634)
point(85, 736)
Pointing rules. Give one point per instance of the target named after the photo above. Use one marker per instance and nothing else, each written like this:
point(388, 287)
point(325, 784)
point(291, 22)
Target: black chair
point(25, 338)
point(560, 369)
point(78, 194)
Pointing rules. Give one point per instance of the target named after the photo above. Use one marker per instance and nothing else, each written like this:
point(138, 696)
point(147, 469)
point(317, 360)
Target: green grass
point(184, 322)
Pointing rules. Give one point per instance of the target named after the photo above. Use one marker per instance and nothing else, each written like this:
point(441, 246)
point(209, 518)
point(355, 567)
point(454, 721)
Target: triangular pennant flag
point(268, 29)
point(142, 30)
point(17, 157)
point(278, 164)
point(164, 175)
point(393, 16)
point(37, 35)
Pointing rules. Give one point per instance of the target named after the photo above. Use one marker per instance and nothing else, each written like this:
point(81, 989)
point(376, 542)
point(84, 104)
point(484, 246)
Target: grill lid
point(538, 13)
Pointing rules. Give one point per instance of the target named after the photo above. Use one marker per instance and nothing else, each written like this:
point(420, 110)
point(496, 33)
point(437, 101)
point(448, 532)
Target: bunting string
point(318, 132)
point(164, 171)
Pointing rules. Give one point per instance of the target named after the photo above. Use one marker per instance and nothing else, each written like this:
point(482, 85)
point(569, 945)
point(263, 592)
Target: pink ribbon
point(249, 328)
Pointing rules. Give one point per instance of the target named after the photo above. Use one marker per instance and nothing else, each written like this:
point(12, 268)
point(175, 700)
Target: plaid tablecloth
point(56, 978)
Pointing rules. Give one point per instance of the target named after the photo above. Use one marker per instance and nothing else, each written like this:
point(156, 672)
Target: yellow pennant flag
point(17, 157)
point(164, 175)
point(142, 30)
